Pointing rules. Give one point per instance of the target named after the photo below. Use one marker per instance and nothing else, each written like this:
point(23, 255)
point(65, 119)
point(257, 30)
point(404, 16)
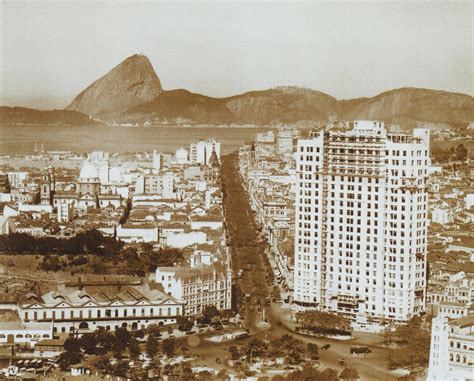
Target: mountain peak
point(130, 83)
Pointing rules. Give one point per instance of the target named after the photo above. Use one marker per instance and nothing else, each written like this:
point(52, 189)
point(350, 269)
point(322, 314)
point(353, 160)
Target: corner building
point(361, 223)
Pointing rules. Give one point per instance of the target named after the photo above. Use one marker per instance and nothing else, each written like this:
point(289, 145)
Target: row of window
point(41, 315)
point(27, 336)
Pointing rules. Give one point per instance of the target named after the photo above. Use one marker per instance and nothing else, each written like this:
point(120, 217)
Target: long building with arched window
point(86, 307)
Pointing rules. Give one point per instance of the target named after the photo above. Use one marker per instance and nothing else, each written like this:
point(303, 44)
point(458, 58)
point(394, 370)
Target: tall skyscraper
point(361, 222)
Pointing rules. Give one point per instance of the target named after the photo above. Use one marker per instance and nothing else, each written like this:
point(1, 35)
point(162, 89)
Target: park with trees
point(412, 345)
point(323, 323)
point(90, 252)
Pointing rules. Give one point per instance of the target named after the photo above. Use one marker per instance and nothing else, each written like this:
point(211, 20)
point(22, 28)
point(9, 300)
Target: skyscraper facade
point(361, 222)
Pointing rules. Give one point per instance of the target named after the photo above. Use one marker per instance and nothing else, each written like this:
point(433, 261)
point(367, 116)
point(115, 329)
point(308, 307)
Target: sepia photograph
point(237, 190)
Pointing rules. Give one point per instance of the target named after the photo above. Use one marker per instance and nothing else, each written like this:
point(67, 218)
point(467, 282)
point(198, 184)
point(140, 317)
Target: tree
point(72, 354)
point(460, 152)
point(88, 343)
point(414, 343)
point(184, 323)
point(349, 374)
point(122, 335)
point(69, 358)
point(234, 352)
point(276, 293)
point(120, 369)
point(169, 346)
point(310, 373)
point(105, 340)
point(79, 261)
point(72, 345)
point(255, 348)
point(313, 351)
point(51, 263)
point(153, 330)
point(324, 322)
point(19, 243)
point(209, 312)
point(134, 348)
point(152, 346)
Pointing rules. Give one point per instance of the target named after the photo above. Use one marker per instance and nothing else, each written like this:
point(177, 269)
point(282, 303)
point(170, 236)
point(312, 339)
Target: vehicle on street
point(240, 335)
point(360, 349)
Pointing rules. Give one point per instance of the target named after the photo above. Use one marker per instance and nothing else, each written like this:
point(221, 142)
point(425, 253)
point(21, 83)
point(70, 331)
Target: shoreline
point(154, 126)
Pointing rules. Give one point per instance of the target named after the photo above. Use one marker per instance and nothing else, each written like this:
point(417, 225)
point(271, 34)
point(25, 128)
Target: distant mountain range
point(132, 93)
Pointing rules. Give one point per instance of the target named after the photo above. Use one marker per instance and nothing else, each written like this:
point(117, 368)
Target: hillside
point(22, 115)
point(130, 83)
point(131, 93)
point(408, 106)
point(281, 105)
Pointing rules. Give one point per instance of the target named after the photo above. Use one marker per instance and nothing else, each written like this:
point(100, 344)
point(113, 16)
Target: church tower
point(47, 186)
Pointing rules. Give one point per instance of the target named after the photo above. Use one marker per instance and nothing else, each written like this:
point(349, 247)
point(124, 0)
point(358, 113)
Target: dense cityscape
point(339, 253)
point(236, 190)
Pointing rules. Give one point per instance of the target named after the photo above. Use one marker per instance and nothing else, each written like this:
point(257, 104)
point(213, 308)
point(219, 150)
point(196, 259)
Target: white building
point(159, 184)
point(90, 306)
point(156, 161)
point(181, 156)
point(65, 211)
point(183, 239)
point(361, 222)
point(200, 152)
point(265, 137)
point(284, 145)
point(198, 287)
point(452, 349)
point(17, 332)
point(88, 181)
point(100, 160)
point(442, 215)
point(26, 208)
point(17, 179)
point(137, 233)
point(469, 200)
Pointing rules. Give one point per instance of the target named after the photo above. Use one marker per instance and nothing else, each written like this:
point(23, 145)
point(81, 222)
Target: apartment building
point(201, 152)
point(65, 211)
point(361, 222)
point(158, 184)
point(452, 349)
point(198, 287)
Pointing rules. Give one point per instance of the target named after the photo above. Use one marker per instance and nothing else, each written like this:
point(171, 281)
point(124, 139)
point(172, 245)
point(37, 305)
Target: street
point(248, 259)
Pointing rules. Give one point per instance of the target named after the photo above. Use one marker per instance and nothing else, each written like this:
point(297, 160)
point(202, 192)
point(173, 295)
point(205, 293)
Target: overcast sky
point(50, 51)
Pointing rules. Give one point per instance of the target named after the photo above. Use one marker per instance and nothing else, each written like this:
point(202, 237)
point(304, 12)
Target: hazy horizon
point(50, 51)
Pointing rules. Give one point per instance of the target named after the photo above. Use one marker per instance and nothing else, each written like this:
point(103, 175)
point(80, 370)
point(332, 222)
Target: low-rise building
point(137, 233)
point(452, 349)
point(26, 333)
point(86, 307)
